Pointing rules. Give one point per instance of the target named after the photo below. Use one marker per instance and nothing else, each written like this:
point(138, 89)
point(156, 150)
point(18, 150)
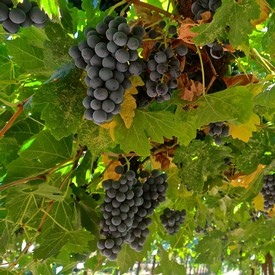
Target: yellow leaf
point(244, 131)
point(110, 170)
point(258, 202)
point(111, 127)
point(245, 180)
point(136, 80)
point(128, 106)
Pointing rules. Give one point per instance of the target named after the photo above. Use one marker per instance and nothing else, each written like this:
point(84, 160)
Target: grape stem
point(116, 6)
point(14, 116)
point(202, 70)
point(150, 7)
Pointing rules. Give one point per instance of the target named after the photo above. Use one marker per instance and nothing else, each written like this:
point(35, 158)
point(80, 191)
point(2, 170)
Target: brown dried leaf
point(192, 90)
point(184, 31)
point(240, 79)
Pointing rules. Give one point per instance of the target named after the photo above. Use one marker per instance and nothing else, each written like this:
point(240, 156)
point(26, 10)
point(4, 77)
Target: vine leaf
point(51, 8)
point(258, 202)
point(42, 153)
point(60, 105)
point(29, 53)
point(168, 266)
point(129, 104)
point(153, 125)
point(233, 20)
point(244, 131)
point(77, 241)
point(245, 180)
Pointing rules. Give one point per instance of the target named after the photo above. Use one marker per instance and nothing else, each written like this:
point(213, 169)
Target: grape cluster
point(154, 189)
point(172, 219)
point(201, 6)
point(163, 69)
point(109, 55)
point(268, 191)
point(218, 130)
point(127, 204)
point(24, 15)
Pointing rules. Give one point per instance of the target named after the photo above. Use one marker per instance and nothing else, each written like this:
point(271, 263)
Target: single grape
point(17, 16)
point(101, 94)
point(160, 57)
point(4, 12)
point(116, 97)
point(37, 16)
point(99, 116)
point(120, 38)
point(172, 29)
point(96, 61)
point(108, 106)
point(101, 28)
point(87, 101)
point(101, 49)
point(122, 67)
point(105, 74)
point(133, 43)
point(139, 31)
point(87, 53)
point(122, 55)
point(74, 52)
point(112, 84)
point(216, 51)
point(93, 40)
point(135, 68)
point(88, 114)
point(96, 104)
point(124, 27)
point(182, 50)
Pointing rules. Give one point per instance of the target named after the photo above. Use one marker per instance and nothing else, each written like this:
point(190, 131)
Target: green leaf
point(269, 37)
point(29, 53)
point(94, 137)
point(209, 250)
point(233, 104)
point(200, 163)
point(44, 152)
point(232, 20)
point(145, 126)
point(169, 266)
point(51, 246)
point(267, 99)
point(60, 105)
point(51, 8)
point(127, 257)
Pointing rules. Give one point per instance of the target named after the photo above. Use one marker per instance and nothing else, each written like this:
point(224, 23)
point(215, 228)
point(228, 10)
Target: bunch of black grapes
point(23, 15)
point(172, 219)
point(127, 204)
point(109, 54)
point(163, 69)
point(201, 6)
point(268, 191)
point(218, 130)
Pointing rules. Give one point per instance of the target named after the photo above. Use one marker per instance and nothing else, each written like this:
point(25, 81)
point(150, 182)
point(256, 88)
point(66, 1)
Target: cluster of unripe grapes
point(201, 6)
point(268, 191)
point(172, 219)
point(109, 54)
point(24, 15)
point(128, 203)
point(218, 130)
